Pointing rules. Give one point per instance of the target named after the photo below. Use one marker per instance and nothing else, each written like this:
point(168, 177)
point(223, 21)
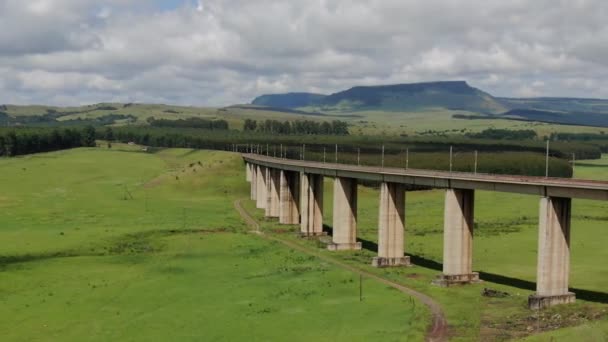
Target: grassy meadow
point(100, 244)
point(104, 244)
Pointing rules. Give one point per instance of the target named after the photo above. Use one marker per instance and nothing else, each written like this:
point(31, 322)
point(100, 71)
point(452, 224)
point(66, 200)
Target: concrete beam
point(311, 205)
point(273, 185)
point(553, 254)
point(458, 238)
point(289, 210)
point(345, 215)
point(391, 226)
point(538, 186)
point(261, 189)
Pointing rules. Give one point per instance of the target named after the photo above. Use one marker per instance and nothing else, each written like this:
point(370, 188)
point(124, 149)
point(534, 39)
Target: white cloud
point(218, 52)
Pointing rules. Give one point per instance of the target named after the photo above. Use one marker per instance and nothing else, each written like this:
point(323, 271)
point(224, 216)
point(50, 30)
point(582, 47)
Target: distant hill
point(558, 104)
point(577, 118)
point(289, 100)
point(450, 95)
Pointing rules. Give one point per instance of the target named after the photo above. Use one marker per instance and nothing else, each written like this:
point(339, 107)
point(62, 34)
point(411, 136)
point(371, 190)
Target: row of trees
point(305, 127)
point(499, 159)
point(197, 138)
point(220, 125)
point(35, 140)
point(503, 134)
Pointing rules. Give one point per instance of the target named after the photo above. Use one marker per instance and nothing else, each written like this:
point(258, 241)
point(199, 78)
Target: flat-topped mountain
point(447, 94)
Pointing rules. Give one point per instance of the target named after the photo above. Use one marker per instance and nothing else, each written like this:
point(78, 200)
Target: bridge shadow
point(417, 260)
point(588, 295)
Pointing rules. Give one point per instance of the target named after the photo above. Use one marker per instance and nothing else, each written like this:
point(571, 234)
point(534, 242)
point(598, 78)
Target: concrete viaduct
point(292, 191)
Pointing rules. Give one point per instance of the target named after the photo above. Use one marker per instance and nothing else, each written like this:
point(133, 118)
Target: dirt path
point(438, 331)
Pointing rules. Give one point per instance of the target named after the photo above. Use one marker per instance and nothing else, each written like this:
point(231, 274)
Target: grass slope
point(100, 245)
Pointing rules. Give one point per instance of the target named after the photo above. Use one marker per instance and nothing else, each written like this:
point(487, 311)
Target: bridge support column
point(391, 226)
point(254, 181)
point(260, 197)
point(345, 215)
point(458, 238)
point(289, 210)
point(553, 254)
point(273, 186)
point(248, 171)
point(311, 205)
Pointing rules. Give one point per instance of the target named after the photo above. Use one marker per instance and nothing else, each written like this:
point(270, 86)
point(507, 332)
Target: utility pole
point(573, 163)
point(323, 155)
point(359, 156)
point(383, 156)
point(451, 153)
point(267, 150)
point(475, 169)
point(547, 161)
point(407, 158)
point(336, 153)
point(303, 151)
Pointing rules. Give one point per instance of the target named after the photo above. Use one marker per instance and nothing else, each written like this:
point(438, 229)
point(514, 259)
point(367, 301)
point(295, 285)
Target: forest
point(14, 142)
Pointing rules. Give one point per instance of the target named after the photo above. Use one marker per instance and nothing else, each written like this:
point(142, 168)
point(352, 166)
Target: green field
point(414, 122)
point(104, 245)
point(99, 244)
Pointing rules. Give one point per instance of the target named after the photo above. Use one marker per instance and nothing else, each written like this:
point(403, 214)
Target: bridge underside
point(293, 192)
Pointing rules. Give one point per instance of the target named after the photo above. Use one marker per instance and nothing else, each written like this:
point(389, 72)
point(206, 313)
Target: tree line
point(298, 127)
point(219, 125)
point(503, 134)
point(15, 142)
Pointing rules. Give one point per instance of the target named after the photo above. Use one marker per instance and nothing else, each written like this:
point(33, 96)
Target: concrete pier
point(248, 171)
point(273, 185)
point(391, 226)
point(289, 209)
point(553, 254)
point(260, 196)
point(254, 181)
point(458, 238)
point(345, 215)
point(311, 205)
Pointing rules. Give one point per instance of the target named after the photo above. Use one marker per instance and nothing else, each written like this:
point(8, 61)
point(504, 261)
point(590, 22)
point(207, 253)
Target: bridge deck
point(553, 187)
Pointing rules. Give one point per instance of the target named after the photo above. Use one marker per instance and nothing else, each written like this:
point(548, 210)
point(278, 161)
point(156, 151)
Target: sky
point(222, 52)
